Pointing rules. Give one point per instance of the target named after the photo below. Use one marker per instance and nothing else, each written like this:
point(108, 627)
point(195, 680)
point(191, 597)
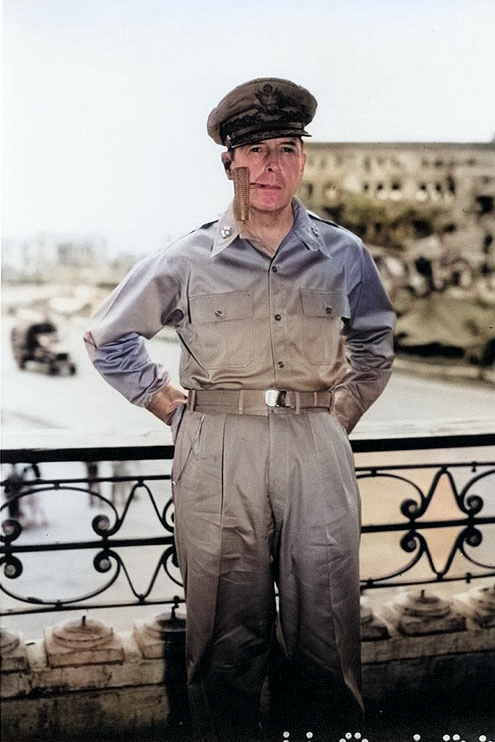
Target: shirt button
point(218, 313)
point(328, 310)
point(274, 269)
point(278, 317)
point(280, 364)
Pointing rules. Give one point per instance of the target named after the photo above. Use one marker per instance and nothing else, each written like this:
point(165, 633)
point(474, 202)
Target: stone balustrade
point(84, 679)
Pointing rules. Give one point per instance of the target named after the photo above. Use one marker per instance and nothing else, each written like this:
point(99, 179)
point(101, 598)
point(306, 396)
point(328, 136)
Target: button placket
point(278, 324)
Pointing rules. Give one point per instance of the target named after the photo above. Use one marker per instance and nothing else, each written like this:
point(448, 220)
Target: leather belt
point(254, 401)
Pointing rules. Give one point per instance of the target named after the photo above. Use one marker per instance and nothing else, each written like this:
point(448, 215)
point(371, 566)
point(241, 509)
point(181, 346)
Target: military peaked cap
point(265, 108)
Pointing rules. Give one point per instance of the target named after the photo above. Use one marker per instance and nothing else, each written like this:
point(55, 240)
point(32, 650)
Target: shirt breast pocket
point(323, 314)
point(223, 329)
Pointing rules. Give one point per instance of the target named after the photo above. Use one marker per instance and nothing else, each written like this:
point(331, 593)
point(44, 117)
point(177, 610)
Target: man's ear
point(227, 163)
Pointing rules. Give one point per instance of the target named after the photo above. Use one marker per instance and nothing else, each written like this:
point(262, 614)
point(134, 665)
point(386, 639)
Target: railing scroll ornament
point(119, 567)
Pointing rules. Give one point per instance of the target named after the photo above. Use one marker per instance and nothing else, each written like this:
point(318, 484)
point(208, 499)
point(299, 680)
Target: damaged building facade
point(457, 179)
point(427, 213)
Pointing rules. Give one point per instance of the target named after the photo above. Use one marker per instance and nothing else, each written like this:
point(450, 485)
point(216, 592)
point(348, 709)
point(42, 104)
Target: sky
point(104, 102)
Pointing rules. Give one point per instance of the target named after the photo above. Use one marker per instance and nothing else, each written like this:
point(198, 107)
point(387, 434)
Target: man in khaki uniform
point(286, 338)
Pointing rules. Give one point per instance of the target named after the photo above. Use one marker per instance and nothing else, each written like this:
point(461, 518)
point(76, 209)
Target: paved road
point(84, 402)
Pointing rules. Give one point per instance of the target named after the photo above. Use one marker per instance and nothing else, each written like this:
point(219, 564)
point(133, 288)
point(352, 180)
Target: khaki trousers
point(259, 501)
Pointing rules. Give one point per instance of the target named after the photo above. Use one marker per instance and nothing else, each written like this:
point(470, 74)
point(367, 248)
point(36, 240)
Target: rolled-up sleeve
point(138, 308)
point(369, 344)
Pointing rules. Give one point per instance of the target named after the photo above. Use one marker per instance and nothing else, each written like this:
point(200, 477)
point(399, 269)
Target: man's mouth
point(266, 186)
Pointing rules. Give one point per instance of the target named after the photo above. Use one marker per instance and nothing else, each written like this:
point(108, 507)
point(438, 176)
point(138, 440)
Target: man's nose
point(273, 161)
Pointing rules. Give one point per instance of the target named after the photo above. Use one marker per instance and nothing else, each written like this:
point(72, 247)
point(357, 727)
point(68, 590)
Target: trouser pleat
point(260, 499)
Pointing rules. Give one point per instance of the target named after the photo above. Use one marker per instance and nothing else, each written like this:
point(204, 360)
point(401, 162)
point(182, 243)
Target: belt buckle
point(275, 398)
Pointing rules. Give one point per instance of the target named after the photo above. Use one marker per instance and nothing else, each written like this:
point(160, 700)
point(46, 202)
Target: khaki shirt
point(313, 317)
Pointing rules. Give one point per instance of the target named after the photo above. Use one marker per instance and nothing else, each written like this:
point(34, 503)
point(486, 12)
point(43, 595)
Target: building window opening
point(451, 185)
point(484, 204)
point(437, 191)
point(422, 228)
point(449, 228)
point(377, 229)
point(396, 192)
point(380, 191)
point(487, 243)
point(422, 192)
point(307, 190)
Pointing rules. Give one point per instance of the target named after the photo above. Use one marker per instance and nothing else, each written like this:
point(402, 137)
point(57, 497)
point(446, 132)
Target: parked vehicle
point(38, 343)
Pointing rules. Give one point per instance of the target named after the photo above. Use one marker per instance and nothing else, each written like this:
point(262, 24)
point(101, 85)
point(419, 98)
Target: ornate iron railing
point(438, 523)
point(468, 525)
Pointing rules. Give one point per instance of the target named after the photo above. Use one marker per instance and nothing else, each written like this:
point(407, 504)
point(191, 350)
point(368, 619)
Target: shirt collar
point(303, 228)
point(227, 232)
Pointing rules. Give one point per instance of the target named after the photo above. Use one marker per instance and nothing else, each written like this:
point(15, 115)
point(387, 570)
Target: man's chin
point(269, 202)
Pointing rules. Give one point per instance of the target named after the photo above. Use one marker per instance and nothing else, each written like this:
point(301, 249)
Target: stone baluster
point(83, 641)
point(420, 612)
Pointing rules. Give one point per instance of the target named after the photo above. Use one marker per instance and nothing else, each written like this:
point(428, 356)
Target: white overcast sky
point(104, 102)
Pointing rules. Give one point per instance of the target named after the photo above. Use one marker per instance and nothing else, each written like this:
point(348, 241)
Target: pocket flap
point(325, 303)
point(220, 307)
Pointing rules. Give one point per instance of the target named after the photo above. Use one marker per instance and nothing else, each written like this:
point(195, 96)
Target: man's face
point(275, 170)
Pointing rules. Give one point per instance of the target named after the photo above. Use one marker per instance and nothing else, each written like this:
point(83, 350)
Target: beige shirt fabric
point(313, 317)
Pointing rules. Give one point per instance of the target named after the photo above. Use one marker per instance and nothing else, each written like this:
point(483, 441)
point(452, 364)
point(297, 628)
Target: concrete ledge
point(116, 712)
point(425, 647)
point(129, 682)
